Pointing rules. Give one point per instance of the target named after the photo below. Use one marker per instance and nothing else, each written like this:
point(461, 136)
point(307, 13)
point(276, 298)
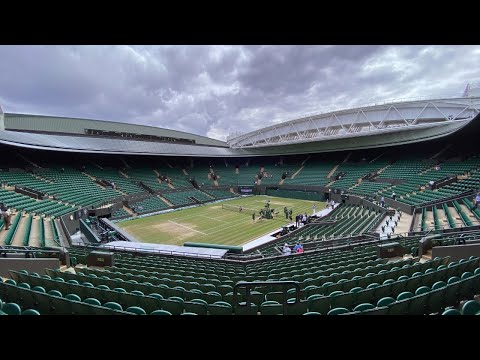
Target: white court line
point(216, 219)
point(219, 227)
point(212, 218)
point(186, 227)
point(234, 224)
point(197, 215)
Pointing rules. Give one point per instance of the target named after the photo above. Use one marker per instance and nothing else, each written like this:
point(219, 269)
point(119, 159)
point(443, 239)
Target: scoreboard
point(246, 189)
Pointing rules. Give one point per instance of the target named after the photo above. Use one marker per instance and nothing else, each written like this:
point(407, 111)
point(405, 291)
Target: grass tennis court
point(212, 224)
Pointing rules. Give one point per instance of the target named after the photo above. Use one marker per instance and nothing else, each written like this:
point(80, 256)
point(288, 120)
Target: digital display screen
point(245, 189)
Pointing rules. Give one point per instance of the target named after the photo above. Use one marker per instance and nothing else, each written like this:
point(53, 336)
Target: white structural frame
point(364, 121)
point(2, 118)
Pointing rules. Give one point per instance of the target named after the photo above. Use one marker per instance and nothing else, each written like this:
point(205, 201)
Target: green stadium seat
point(220, 308)
point(160, 312)
point(73, 297)
point(113, 305)
point(385, 301)
point(422, 290)
point(271, 308)
point(471, 307)
point(439, 285)
point(174, 306)
point(404, 295)
point(92, 301)
point(176, 298)
point(453, 280)
point(30, 312)
point(12, 309)
point(242, 309)
point(39, 289)
point(55, 293)
point(363, 307)
point(451, 312)
point(156, 296)
point(357, 289)
point(338, 311)
point(136, 310)
point(197, 306)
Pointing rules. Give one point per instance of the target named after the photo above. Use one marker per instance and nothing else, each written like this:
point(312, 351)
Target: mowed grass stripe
point(212, 224)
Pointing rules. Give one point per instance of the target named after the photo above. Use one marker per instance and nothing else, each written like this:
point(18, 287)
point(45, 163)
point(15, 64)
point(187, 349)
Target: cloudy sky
point(218, 90)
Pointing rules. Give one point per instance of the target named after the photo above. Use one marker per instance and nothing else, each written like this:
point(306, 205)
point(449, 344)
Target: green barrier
point(42, 233)
point(233, 249)
point(295, 194)
point(13, 229)
point(55, 232)
point(424, 216)
point(89, 234)
point(28, 228)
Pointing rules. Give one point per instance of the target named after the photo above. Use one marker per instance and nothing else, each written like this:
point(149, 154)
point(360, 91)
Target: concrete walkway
point(403, 224)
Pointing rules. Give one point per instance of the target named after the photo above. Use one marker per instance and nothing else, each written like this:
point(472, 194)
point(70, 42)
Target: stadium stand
point(355, 258)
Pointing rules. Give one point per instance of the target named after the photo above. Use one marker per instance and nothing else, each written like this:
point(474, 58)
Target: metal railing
point(285, 285)
point(144, 251)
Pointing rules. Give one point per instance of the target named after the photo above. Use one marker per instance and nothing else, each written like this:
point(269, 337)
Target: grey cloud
point(215, 90)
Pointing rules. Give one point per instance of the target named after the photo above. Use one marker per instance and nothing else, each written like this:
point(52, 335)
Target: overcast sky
point(218, 90)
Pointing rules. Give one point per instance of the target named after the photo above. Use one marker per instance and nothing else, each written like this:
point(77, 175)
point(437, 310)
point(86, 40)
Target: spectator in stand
point(6, 214)
point(461, 239)
point(300, 249)
point(477, 201)
point(394, 195)
point(382, 201)
point(286, 250)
